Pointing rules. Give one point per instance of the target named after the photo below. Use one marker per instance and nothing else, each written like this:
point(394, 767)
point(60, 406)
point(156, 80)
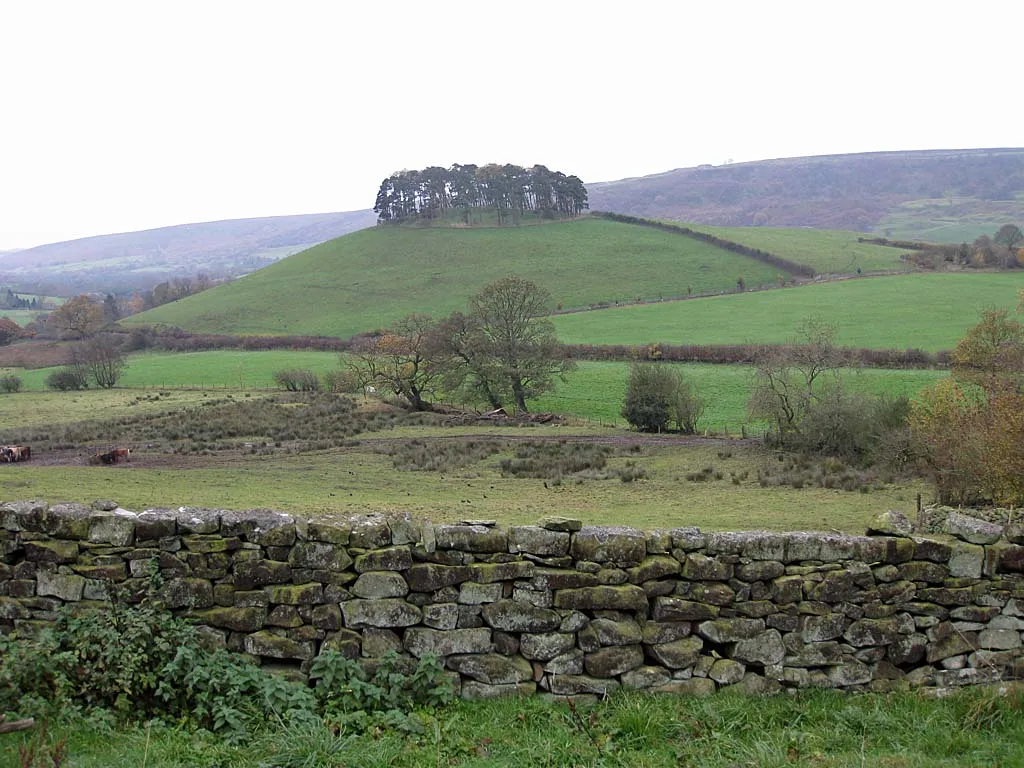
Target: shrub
point(341, 382)
point(297, 380)
point(10, 384)
point(68, 378)
point(657, 394)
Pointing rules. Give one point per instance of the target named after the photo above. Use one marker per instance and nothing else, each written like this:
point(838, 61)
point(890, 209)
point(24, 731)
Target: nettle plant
point(136, 661)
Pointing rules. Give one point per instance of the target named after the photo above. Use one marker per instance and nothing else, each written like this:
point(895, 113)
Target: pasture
point(594, 392)
point(826, 251)
point(920, 311)
point(368, 279)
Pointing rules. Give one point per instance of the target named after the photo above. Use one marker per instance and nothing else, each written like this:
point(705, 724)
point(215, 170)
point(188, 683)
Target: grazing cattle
point(111, 457)
point(12, 453)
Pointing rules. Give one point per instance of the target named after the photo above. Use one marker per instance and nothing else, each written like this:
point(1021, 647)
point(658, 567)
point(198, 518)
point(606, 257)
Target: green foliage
point(10, 383)
point(354, 698)
point(297, 380)
point(657, 394)
point(68, 378)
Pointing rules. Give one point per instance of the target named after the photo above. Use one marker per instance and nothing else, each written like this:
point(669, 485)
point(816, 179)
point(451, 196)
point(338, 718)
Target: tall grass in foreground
point(812, 728)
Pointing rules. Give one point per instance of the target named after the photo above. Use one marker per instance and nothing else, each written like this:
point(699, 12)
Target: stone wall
point(557, 607)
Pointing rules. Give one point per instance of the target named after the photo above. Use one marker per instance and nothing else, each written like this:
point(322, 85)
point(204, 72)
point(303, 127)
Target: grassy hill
point(942, 195)
point(923, 311)
point(826, 251)
point(134, 260)
point(368, 279)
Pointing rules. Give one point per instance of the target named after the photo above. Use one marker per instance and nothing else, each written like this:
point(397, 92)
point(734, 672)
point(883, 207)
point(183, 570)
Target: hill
point(368, 279)
point(939, 195)
point(139, 260)
point(921, 311)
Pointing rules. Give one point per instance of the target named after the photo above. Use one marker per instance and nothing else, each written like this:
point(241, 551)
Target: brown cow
point(122, 454)
point(12, 453)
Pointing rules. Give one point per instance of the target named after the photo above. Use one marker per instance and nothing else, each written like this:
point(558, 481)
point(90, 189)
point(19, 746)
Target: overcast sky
point(118, 116)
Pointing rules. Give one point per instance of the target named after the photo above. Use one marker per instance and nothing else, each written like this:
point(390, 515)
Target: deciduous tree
point(78, 318)
point(519, 346)
point(398, 361)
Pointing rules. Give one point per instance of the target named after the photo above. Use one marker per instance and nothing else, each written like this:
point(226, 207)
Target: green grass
point(923, 311)
point(949, 220)
point(827, 251)
point(368, 279)
point(596, 390)
point(234, 369)
point(21, 316)
point(814, 729)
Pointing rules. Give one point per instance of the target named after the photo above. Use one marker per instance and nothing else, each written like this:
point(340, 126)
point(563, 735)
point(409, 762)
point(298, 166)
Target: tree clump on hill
point(510, 191)
point(503, 351)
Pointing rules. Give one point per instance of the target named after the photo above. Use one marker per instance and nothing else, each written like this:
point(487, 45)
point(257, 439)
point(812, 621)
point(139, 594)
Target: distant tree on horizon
point(511, 191)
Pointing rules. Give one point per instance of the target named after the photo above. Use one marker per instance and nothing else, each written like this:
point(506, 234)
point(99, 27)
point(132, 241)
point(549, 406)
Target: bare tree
point(101, 357)
point(789, 377)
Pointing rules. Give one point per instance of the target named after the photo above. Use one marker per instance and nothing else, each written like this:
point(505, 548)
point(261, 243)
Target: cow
point(12, 453)
point(112, 456)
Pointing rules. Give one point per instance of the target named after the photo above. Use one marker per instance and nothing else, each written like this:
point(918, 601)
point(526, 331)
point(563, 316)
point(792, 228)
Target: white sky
point(117, 116)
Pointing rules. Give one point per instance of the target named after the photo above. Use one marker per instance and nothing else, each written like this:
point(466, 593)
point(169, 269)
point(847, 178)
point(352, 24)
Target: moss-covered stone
point(259, 526)
point(267, 644)
point(311, 593)
point(428, 577)
point(210, 543)
point(388, 612)
point(386, 559)
point(627, 597)
point(679, 654)
point(730, 630)
point(613, 660)
point(51, 551)
point(246, 619)
point(510, 616)
point(421, 641)
point(620, 545)
point(489, 573)
point(672, 609)
point(537, 540)
point(378, 584)
point(319, 554)
point(65, 586)
point(344, 641)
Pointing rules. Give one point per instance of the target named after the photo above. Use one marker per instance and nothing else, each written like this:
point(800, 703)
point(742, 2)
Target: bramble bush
point(138, 662)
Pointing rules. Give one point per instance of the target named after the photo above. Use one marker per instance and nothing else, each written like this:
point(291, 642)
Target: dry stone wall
point(557, 607)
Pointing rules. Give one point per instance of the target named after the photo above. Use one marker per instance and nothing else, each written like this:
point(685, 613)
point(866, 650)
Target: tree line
point(1004, 249)
point(792, 267)
point(11, 300)
point(511, 191)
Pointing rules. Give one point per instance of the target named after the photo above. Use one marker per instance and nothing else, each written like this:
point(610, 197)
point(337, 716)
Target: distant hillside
point(138, 260)
point(939, 195)
point(368, 279)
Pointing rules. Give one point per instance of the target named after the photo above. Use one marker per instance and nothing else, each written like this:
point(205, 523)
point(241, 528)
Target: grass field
point(593, 392)
point(21, 316)
point(368, 279)
point(813, 729)
point(923, 311)
point(828, 252)
point(360, 477)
